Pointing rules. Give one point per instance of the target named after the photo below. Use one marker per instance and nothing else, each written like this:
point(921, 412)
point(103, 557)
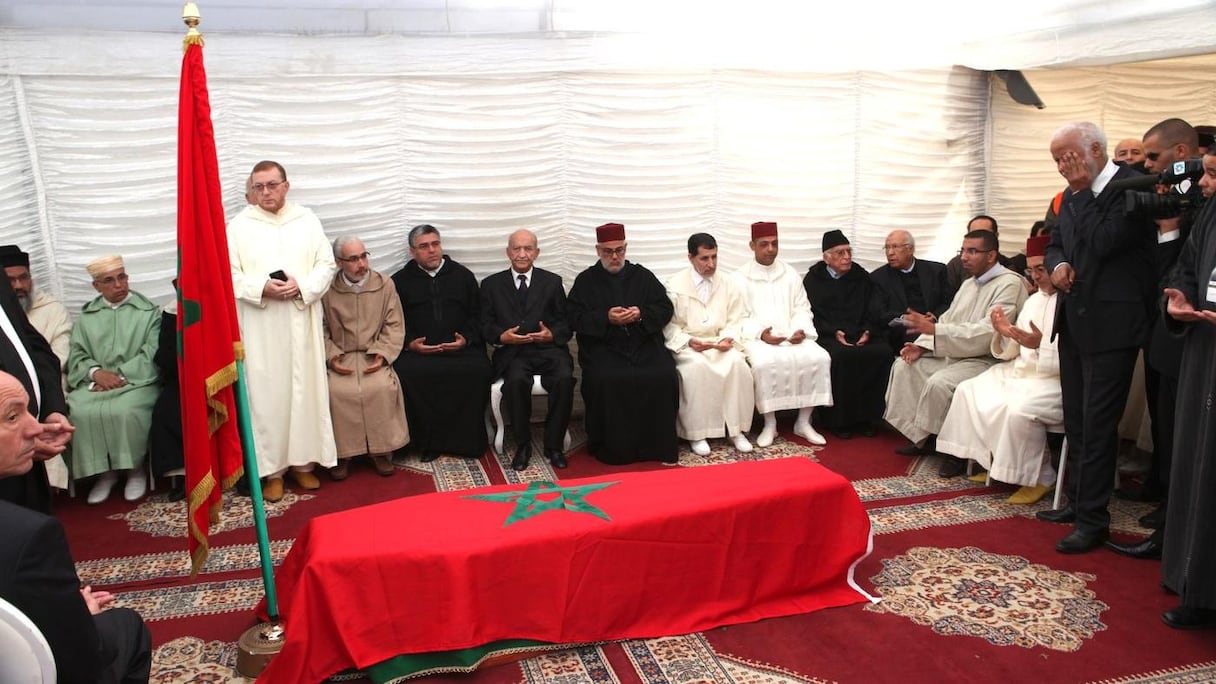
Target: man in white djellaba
point(281, 266)
point(999, 418)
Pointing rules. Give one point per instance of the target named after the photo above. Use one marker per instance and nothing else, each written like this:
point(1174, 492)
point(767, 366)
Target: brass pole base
point(256, 647)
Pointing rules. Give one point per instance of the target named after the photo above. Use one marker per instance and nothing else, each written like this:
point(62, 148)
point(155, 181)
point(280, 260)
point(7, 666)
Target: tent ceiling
point(799, 35)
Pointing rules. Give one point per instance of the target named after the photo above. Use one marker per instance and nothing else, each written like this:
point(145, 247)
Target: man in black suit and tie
point(523, 314)
point(26, 355)
point(910, 283)
point(38, 576)
point(1102, 262)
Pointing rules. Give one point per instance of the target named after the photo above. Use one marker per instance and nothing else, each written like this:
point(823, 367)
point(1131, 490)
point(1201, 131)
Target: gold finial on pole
point(190, 17)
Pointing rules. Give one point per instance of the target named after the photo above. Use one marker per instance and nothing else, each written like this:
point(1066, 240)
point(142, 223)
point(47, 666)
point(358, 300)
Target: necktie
point(523, 290)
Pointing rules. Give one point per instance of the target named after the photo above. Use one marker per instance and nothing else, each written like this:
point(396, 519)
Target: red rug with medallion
point(971, 588)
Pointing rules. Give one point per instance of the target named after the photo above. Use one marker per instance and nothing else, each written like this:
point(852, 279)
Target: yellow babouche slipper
point(980, 477)
point(1029, 495)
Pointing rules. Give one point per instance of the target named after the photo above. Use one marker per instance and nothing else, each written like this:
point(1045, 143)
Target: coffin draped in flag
point(208, 337)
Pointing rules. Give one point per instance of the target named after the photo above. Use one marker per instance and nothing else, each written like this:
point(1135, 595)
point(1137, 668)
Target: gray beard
point(26, 301)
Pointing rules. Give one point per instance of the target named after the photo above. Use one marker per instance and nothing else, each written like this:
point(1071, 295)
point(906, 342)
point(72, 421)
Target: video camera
point(1183, 194)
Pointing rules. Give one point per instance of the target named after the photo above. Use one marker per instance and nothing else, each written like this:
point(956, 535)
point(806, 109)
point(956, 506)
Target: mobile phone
point(279, 275)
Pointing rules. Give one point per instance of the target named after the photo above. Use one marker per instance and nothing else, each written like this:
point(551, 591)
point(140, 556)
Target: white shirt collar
point(1169, 236)
point(909, 268)
point(1107, 173)
point(526, 274)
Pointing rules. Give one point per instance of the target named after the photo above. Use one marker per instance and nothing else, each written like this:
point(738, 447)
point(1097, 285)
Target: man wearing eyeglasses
point(951, 349)
point(1101, 261)
point(907, 282)
point(630, 387)
point(282, 265)
point(364, 334)
point(956, 274)
point(113, 382)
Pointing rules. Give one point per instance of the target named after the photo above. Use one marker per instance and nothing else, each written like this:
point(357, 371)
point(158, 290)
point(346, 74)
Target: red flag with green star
point(208, 337)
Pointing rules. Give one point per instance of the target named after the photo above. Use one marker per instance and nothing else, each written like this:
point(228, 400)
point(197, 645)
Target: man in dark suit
point(909, 283)
point(38, 577)
point(26, 355)
point(523, 314)
point(1102, 262)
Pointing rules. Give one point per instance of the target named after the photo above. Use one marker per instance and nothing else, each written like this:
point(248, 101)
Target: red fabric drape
point(680, 550)
point(207, 333)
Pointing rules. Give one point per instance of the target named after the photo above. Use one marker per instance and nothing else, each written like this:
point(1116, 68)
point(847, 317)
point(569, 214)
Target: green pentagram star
point(528, 503)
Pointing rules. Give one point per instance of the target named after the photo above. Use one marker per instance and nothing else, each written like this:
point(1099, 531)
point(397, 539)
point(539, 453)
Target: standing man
point(1188, 565)
point(716, 390)
point(951, 349)
point(1101, 261)
point(630, 387)
point(444, 371)
point(281, 266)
point(38, 576)
point(999, 418)
point(778, 331)
point(364, 334)
point(523, 315)
point(1129, 152)
point(113, 382)
point(909, 283)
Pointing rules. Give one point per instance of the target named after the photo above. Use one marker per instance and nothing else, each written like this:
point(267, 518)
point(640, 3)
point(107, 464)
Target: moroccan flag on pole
point(208, 337)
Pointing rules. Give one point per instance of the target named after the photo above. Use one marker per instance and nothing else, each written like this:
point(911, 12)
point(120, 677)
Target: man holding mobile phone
point(281, 266)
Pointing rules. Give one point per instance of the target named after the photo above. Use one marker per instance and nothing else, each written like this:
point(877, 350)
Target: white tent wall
point(479, 136)
point(1125, 100)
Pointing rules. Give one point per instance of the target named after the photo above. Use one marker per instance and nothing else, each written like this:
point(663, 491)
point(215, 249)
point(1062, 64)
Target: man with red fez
point(716, 397)
point(282, 265)
point(999, 418)
point(778, 331)
point(950, 350)
point(113, 382)
point(848, 319)
point(630, 387)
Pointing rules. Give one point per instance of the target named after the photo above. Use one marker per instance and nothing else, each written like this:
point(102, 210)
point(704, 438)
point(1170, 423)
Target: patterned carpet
point(971, 588)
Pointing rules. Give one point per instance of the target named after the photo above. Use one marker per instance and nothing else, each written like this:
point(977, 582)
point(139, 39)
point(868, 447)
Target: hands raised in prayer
point(624, 315)
point(1030, 339)
point(418, 345)
point(925, 324)
point(512, 336)
point(1181, 309)
point(910, 353)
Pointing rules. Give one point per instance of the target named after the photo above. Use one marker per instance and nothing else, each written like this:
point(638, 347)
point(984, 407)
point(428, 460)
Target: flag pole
point(260, 643)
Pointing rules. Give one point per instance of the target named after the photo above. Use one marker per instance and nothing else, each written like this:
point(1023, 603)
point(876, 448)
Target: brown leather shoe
point(341, 471)
point(384, 467)
point(272, 489)
point(305, 479)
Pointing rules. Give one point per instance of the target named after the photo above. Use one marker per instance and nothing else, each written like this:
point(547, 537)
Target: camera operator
point(1165, 143)
point(1189, 563)
point(1101, 260)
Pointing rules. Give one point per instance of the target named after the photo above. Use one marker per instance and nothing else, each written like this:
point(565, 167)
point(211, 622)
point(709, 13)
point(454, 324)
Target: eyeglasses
point(110, 280)
point(1035, 269)
point(271, 186)
point(846, 251)
point(611, 252)
point(355, 257)
point(892, 248)
point(971, 251)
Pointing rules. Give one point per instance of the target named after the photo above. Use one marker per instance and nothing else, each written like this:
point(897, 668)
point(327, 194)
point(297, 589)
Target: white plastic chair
point(27, 656)
point(494, 423)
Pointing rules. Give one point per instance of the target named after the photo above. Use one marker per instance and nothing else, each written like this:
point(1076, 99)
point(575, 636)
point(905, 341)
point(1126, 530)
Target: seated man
point(630, 387)
point(909, 283)
point(999, 418)
point(848, 320)
point(38, 575)
point(956, 274)
point(444, 371)
point(716, 391)
point(951, 350)
point(788, 374)
point(113, 382)
point(364, 334)
point(50, 318)
point(523, 314)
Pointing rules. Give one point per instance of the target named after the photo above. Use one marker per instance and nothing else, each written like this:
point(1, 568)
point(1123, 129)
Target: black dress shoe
point(1144, 492)
point(1186, 617)
point(429, 455)
point(522, 456)
point(556, 458)
point(1058, 515)
point(951, 467)
point(1154, 519)
point(843, 434)
point(1149, 548)
point(868, 430)
point(911, 450)
point(1082, 542)
point(177, 493)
